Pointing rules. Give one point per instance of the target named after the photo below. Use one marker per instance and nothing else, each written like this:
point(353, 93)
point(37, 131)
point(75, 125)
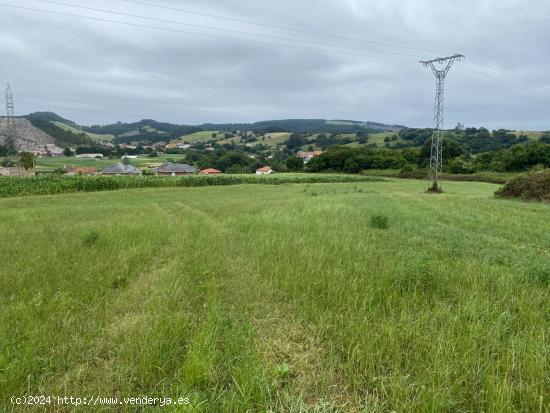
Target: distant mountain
point(49, 117)
point(66, 133)
point(305, 125)
point(148, 130)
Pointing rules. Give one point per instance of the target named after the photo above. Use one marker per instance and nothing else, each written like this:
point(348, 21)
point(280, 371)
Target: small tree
point(67, 152)
point(26, 160)
point(294, 163)
point(125, 160)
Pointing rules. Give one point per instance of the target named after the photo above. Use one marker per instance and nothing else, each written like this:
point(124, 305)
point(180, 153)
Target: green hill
point(67, 135)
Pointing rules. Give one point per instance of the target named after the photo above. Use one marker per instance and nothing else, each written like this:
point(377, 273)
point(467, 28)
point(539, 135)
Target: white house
point(90, 156)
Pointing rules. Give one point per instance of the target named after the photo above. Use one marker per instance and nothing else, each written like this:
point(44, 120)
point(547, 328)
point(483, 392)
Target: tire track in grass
point(116, 361)
point(289, 354)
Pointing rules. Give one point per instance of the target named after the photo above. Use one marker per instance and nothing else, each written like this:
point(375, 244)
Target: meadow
point(51, 164)
point(329, 297)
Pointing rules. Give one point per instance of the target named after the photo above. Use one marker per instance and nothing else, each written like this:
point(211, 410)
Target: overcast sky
point(96, 72)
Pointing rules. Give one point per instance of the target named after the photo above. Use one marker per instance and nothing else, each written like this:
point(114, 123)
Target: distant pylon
point(11, 132)
point(436, 154)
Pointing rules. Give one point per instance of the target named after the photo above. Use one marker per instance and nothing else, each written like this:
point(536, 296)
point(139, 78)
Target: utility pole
point(11, 132)
point(436, 155)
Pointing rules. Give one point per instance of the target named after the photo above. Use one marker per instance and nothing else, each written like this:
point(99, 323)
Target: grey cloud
point(97, 72)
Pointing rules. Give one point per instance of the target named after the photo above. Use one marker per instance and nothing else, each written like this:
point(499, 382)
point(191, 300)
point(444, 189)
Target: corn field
point(18, 186)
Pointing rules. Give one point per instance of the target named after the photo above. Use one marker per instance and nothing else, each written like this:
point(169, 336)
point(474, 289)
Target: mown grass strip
point(40, 185)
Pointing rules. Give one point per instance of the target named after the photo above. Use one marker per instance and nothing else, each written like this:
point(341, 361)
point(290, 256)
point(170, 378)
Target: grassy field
point(532, 135)
point(202, 136)
point(288, 298)
point(50, 164)
point(96, 137)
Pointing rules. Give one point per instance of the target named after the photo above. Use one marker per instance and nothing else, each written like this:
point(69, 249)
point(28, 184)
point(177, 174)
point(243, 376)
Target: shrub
point(460, 166)
point(410, 172)
point(531, 186)
point(379, 221)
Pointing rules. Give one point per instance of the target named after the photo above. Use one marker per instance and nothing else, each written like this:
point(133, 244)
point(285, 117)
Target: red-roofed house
point(266, 170)
point(210, 171)
point(308, 156)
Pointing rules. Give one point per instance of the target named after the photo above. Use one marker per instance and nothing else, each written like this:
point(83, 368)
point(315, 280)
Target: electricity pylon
point(436, 155)
point(10, 138)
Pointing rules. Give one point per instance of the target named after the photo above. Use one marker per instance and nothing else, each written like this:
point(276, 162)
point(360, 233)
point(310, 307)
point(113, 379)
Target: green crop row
point(17, 186)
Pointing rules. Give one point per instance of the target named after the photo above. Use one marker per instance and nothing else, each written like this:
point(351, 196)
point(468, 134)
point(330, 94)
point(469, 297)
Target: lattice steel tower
point(436, 155)
point(10, 138)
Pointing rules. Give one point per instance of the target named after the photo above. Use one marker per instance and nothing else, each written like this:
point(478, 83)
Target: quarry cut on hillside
point(29, 138)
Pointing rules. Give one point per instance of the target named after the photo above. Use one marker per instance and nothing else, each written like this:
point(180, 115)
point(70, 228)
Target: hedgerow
point(50, 184)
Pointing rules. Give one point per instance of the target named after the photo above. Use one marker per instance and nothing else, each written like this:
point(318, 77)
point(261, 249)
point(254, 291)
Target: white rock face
point(29, 138)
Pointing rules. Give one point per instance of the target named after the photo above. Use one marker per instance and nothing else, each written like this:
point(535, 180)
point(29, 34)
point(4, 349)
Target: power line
point(260, 35)
point(272, 26)
point(491, 77)
point(220, 29)
point(509, 74)
point(200, 34)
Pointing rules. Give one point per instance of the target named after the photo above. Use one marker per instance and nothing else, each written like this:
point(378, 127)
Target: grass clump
point(379, 221)
point(533, 186)
point(90, 238)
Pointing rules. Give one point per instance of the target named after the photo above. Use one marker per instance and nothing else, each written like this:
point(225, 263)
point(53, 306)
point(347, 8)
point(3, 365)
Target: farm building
point(210, 171)
point(121, 169)
point(175, 169)
point(52, 151)
point(90, 156)
point(308, 156)
point(70, 170)
point(266, 170)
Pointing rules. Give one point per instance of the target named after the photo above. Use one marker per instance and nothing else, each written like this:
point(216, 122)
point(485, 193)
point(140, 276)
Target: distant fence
point(18, 186)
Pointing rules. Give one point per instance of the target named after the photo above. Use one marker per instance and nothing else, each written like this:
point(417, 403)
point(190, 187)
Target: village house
point(210, 171)
point(308, 156)
point(172, 145)
point(175, 169)
point(121, 169)
point(266, 170)
point(128, 146)
point(53, 151)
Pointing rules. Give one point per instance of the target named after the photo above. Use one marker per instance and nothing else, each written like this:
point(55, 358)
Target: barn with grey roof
point(121, 169)
point(175, 169)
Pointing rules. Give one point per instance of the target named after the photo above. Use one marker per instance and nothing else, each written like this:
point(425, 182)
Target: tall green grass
point(52, 184)
point(268, 299)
